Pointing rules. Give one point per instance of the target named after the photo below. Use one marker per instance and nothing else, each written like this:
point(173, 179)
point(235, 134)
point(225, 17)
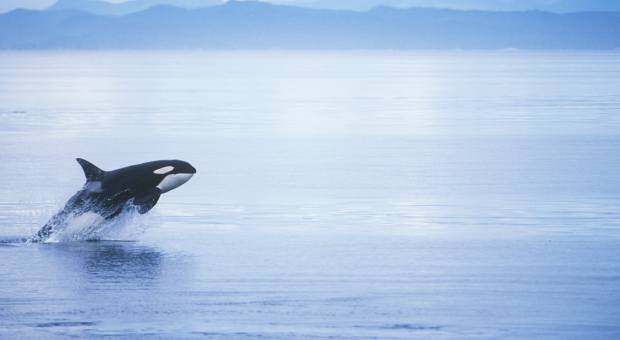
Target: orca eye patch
point(163, 170)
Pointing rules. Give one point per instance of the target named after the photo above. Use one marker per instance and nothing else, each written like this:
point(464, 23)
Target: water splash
point(22, 221)
point(89, 226)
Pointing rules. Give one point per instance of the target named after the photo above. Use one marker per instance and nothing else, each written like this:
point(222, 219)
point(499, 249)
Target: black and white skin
point(107, 193)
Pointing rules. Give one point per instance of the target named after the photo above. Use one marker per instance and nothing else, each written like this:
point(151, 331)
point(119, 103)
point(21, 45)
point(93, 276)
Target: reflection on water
point(256, 282)
point(309, 93)
point(75, 286)
point(108, 260)
point(103, 261)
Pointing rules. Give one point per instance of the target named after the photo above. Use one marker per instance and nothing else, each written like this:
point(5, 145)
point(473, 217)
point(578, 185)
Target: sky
point(8, 5)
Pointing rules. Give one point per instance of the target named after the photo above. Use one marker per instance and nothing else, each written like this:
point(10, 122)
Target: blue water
point(347, 195)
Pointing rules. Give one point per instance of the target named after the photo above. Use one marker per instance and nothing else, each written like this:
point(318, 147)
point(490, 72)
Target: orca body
point(107, 193)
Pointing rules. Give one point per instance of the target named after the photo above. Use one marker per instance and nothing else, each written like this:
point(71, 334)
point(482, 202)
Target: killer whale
point(106, 193)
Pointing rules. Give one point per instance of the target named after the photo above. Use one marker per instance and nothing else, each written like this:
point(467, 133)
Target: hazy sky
point(7, 5)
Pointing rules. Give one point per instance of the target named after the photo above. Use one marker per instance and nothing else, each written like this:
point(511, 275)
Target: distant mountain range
point(555, 6)
point(257, 25)
point(124, 8)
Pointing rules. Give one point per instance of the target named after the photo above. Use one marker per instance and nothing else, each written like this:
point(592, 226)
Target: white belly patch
point(173, 181)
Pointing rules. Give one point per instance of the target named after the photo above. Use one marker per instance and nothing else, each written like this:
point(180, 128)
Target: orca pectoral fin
point(146, 196)
point(143, 209)
point(146, 200)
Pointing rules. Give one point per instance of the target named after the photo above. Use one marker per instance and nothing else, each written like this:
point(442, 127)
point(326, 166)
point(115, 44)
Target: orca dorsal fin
point(91, 171)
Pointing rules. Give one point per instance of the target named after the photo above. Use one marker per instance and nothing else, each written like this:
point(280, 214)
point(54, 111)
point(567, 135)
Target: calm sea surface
point(340, 195)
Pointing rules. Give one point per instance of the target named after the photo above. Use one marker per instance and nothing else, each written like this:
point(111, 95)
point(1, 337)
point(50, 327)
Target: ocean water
point(339, 195)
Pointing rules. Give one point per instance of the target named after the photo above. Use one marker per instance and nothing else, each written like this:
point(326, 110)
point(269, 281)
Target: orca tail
point(91, 171)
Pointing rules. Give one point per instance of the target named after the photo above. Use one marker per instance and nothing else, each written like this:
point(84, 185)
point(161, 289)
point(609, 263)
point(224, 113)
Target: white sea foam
point(90, 226)
point(77, 227)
